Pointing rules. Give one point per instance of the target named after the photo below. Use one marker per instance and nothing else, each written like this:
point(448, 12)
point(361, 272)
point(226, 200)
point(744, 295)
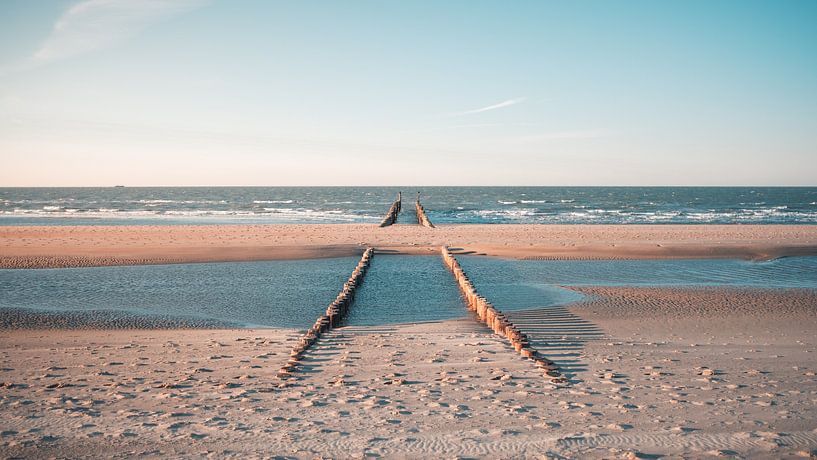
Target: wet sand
point(34, 319)
point(72, 246)
point(654, 371)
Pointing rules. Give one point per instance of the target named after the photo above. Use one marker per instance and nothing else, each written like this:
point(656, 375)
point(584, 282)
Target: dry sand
point(67, 246)
point(678, 372)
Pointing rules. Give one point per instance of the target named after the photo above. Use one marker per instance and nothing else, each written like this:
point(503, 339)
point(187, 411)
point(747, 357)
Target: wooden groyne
point(394, 210)
point(497, 321)
point(335, 314)
point(422, 218)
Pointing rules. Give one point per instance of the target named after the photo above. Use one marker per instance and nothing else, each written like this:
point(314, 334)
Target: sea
point(444, 205)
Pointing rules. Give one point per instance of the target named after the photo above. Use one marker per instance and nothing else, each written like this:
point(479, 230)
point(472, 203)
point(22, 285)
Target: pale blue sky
point(196, 92)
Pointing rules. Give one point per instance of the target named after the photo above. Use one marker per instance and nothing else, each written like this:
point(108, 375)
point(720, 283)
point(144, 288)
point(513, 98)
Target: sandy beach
point(71, 246)
point(651, 371)
point(654, 371)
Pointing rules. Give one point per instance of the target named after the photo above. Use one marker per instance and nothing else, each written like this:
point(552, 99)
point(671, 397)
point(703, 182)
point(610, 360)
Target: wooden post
point(335, 313)
point(422, 218)
point(493, 318)
point(394, 210)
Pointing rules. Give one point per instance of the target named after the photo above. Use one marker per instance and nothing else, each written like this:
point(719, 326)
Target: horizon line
point(409, 186)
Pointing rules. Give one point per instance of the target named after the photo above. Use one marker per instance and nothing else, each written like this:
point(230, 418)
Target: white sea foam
point(269, 214)
point(505, 214)
point(159, 202)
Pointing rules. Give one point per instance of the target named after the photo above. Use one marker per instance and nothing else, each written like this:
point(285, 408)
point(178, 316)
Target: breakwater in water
point(333, 317)
point(497, 321)
point(394, 210)
point(422, 217)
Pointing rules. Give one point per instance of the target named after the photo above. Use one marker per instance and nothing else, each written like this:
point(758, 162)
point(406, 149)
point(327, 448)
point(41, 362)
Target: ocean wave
point(575, 213)
point(777, 214)
point(563, 201)
point(273, 201)
point(513, 214)
point(304, 211)
point(271, 214)
point(158, 202)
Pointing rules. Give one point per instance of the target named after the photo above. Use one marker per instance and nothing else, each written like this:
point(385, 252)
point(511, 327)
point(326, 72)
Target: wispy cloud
point(488, 108)
point(563, 135)
point(92, 25)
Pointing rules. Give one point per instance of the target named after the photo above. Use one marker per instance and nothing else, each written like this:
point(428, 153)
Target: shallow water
point(273, 293)
point(402, 289)
point(397, 289)
point(492, 273)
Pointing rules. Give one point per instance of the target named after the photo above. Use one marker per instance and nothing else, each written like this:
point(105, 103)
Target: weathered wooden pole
point(335, 313)
point(498, 322)
point(422, 217)
point(394, 210)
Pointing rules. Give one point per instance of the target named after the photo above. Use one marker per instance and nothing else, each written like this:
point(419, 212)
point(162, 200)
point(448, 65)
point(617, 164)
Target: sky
point(242, 92)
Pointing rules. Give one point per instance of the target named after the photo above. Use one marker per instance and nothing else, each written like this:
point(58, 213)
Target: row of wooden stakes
point(497, 321)
point(394, 210)
point(422, 218)
point(335, 314)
